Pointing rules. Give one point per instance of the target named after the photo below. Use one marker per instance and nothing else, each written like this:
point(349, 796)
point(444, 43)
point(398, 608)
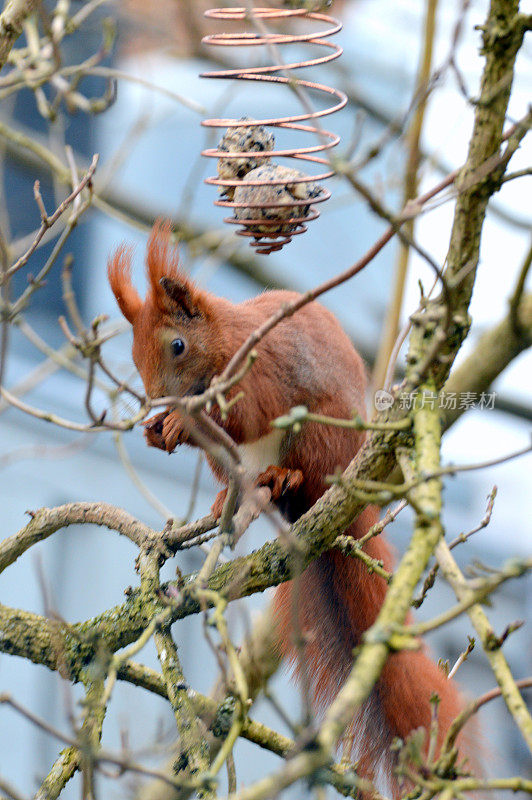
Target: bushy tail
point(337, 600)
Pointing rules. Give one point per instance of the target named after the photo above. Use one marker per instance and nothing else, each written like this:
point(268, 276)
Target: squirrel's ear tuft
point(166, 280)
point(119, 273)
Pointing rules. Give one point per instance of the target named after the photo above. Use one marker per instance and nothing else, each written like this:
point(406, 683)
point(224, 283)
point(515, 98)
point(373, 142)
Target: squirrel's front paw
point(153, 430)
point(173, 433)
point(280, 481)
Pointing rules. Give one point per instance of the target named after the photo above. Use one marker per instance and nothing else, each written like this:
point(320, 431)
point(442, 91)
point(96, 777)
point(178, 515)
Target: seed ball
point(284, 194)
point(254, 138)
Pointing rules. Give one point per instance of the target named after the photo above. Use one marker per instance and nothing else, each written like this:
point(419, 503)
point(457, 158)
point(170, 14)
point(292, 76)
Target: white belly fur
point(259, 455)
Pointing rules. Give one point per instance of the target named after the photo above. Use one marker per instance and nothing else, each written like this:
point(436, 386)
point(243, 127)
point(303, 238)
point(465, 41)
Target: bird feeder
point(271, 202)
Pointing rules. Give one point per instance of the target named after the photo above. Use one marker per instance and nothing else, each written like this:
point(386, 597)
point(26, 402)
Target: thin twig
point(48, 221)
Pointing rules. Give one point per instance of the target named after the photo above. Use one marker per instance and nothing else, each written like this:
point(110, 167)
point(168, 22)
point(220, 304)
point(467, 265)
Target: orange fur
point(305, 360)
point(119, 272)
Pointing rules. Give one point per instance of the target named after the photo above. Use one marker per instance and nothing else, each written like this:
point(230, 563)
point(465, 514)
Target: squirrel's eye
point(178, 347)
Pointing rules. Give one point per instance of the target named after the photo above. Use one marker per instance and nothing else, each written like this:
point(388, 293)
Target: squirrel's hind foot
point(278, 480)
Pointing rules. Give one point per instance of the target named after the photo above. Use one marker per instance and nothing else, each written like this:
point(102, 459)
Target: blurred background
point(150, 165)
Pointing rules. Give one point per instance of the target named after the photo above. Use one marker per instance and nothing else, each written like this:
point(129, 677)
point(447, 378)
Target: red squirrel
point(182, 337)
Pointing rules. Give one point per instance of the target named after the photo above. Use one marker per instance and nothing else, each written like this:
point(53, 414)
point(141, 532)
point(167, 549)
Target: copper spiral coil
point(283, 229)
